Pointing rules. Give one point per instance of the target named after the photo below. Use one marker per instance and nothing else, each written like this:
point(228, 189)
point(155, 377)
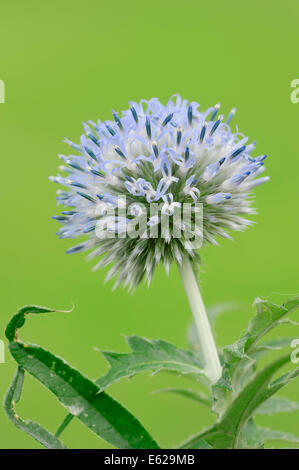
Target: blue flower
point(154, 154)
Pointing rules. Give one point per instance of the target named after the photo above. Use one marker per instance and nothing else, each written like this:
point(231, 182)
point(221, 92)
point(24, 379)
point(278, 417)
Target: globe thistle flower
point(173, 156)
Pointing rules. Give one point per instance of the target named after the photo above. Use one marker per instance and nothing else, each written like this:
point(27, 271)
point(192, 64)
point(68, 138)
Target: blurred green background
point(64, 62)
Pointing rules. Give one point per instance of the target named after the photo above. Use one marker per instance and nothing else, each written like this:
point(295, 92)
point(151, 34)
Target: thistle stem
point(208, 347)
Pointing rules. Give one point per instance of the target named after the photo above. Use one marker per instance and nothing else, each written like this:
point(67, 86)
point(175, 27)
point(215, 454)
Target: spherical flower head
point(133, 179)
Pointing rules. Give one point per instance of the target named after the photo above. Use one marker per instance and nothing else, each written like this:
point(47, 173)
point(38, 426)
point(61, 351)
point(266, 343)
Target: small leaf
point(64, 424)
point(268, 316)
point(82, 397)
point(272, 345)
point(195, 442)
point(256, 436)
point(199, 397)
point(266, 434)
point(239, 358)
point(277, 405)
point(251, 397)
point(36, 431)
point(213, 437)
point(149, 356)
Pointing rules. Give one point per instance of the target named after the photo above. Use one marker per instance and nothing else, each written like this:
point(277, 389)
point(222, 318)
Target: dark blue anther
point(156, 150)
point(167, 119)
point(111, 131)
point(215, 125)
point(78, 185)
point(238, 151)
point(148, 127)
point(215, 111)
point(119, 151)
point(187, 154)
point(75, 249)
point(60, 218)
point(134, 114)
point(178, 137)
point(86, 196)
point(118, 121)
point(97, 173)
point(202, 132)
point(91, 154)
point(89, 229)
point(75, 166)
point(190, 114)
point(69, 212)
point(93, 138)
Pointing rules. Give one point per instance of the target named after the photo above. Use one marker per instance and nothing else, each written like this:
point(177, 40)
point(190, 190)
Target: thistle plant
point(148, 187)
point(174, 155)
point(153, 154)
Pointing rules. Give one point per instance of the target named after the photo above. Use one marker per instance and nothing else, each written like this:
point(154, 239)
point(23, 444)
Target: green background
point(64, 62)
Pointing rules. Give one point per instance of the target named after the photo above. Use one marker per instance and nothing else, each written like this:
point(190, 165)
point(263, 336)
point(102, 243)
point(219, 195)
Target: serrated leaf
point(268, 316)
point(35, 430)
point(149, 356)
point(239, 357)
point(257, 436)
point(199, 397)
point(272, 345)
point(252, 396)
point(195, 442)
point(227, 433)
point(213, 437)
point(244, 405)
point(82, 397)
point(266, 434)
point(277, 405)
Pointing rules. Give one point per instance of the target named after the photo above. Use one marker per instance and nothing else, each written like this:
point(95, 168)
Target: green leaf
point(268, 316)
point(82, 397)
point(199, 397)
point(64, 424)
point(275, 344)
point(239, 358)
point(195, 442)
point(252, 396)
point(265, 434)
point(36, 431)
point(149, 356)
point(257, 436)
point(227, 433)
point(213, 437)
point(277, 405)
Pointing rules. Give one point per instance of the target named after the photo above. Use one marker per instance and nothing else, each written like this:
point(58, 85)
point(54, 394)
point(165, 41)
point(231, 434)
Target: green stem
point(64, 424)
point(207, 342)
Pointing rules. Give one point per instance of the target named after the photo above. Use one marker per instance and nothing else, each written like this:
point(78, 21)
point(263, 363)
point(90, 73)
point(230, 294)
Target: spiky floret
point(168, 155)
